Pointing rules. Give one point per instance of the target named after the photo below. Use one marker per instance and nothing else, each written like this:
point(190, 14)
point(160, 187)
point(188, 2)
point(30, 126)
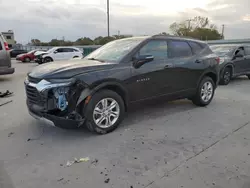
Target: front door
point(59, 54)
point(153, 78)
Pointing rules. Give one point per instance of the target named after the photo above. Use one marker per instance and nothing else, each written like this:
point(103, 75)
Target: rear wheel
point(75, 56)
point(226, 76)
point(205, 92)
point(104, 112)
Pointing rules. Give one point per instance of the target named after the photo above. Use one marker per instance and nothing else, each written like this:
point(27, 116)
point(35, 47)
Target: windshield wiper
point(96, 59)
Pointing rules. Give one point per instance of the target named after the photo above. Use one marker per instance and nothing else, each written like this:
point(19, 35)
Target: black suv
point(234, 61)
point(96, 91)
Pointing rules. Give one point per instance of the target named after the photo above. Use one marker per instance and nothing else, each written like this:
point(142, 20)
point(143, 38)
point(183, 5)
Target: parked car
point(98, 89)
point(15, 52)
point(234, 61)
point(5, 61)
point(30, 56)
point(59, 53)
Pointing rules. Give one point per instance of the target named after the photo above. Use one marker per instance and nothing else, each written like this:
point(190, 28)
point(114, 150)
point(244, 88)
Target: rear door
point(186, 62)
point(69, 53)
point(4, 55)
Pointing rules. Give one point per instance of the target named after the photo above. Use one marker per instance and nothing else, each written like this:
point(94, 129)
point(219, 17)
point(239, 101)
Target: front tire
point(226, 76)
point(104, 112)
point(205, 92)
point(47, 59)
point(26, 59)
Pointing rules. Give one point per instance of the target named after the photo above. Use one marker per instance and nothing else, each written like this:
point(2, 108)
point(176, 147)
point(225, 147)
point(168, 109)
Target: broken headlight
point(53, 83)
point(60, 95)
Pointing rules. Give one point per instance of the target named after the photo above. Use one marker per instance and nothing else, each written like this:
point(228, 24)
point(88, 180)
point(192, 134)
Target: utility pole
point(189, 23)
point(222, 32)
point(108, 16)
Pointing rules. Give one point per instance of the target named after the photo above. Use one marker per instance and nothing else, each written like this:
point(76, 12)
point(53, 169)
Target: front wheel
point(104, 112)
point(205, 92)
point(226, 76)
point(26, 59)
point(47, 60)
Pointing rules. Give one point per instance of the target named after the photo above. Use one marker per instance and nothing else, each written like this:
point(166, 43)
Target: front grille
point(33, 96)
point(34, 80)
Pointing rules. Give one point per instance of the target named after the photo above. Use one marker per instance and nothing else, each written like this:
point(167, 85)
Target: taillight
point(217, 59)
point(6, 46)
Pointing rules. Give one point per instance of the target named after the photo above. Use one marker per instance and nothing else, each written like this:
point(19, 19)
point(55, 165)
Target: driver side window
point(156, 48)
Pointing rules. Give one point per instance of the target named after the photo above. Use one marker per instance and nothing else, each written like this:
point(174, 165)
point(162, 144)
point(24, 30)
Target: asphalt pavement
point(160, 144)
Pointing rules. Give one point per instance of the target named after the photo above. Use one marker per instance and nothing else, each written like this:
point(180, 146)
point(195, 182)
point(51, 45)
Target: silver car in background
point(5, 60)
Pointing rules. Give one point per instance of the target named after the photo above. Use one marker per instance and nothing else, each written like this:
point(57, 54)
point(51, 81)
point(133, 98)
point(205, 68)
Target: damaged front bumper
point(55, 102)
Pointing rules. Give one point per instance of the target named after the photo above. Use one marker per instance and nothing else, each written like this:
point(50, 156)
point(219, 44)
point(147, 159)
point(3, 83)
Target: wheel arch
point(229, 65)
point(110, 85)
point(48, 57)
point(211, 74)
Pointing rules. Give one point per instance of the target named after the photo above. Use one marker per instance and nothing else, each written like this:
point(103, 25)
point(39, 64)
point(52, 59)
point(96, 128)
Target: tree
point(105, 40)
point(35, 41)
point(84, 41)
point(198, 27)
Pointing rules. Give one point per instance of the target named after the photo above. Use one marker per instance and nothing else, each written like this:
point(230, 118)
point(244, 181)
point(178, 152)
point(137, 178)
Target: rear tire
point(226, 76)
point(205, 92)
point(101, 119)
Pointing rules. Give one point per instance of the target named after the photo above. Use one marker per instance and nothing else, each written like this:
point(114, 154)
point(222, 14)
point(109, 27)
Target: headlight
point(52, 83)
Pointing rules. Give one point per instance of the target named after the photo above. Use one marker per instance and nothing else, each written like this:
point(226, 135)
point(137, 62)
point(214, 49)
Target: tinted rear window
point(195, 47)
point(180, 49)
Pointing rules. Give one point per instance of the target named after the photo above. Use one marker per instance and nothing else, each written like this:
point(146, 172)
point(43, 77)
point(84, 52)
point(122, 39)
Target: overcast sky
point(72, 19)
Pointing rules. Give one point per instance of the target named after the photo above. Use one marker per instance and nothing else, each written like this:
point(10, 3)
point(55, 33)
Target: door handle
point(198, 61)
point(167, 66)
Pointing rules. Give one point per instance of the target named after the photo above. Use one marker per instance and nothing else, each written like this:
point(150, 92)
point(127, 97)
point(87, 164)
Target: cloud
point(47, 19)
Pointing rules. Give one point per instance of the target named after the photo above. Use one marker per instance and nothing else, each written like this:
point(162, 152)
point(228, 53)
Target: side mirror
point(238, 56)
point(141, 60)
point(55, 52)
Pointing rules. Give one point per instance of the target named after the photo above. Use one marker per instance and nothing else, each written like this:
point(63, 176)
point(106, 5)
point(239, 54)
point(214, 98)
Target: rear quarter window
point(196, 47)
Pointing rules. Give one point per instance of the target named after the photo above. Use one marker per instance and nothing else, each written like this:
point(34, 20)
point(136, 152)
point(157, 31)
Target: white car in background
point(60, 53)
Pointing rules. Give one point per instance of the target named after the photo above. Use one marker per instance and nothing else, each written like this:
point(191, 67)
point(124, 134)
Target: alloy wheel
point(207, 91)
point(106, 112)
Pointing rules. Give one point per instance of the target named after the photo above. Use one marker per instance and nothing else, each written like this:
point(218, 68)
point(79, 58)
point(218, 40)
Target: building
point(9, 37)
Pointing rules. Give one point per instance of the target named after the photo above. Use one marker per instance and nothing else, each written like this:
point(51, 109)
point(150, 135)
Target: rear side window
point(68, 50)
point(156, 48)
point(179, 49)
point(247, 50)
point(196, 48)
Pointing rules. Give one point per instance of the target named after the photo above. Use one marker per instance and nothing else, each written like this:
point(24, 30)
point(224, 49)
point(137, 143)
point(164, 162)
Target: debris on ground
point(7, 102)
point(5, 94)
point(107, 180)
point(60, 179)
point(80, 160)
point(10, 134)
point(95, 161)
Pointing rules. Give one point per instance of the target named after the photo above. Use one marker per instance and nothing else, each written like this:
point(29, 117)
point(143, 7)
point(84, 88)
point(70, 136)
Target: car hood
point(20, 55)
point(68, 69)
point(39, 53)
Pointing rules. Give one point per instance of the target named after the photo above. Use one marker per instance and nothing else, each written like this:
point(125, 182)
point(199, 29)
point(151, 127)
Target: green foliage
point(81, 41)
point(198, 27)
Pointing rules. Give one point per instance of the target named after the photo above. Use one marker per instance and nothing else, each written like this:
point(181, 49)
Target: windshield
point(114, 51)
point(32, 51)
point(222, 49)
point(50, 50)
